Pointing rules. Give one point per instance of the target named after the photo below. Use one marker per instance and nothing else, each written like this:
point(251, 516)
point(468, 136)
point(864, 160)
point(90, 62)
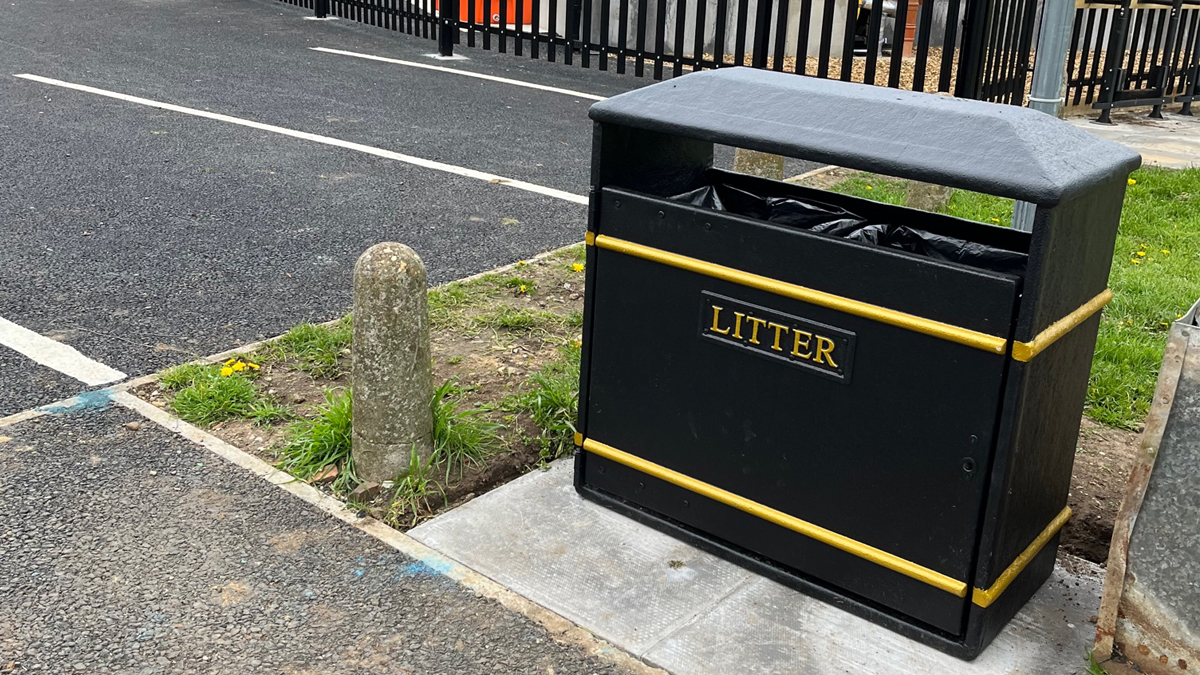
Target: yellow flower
point(226, 371)
point(995, 220)
point(1135, 261)
point(230, 362)
point(578, 267)
point(1165, 251)
point(522, 289)
point(520, 263)
point(1141, 253)
point(252, 365)
point(870, 188)
point(1132, 181)
point(239, 366)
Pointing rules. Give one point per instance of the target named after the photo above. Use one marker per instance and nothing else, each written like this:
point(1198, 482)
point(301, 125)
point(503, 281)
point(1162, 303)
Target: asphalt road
point(139, 552)
point(143, 237)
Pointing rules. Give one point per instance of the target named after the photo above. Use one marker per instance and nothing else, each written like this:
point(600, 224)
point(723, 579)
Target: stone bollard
point(391, 369)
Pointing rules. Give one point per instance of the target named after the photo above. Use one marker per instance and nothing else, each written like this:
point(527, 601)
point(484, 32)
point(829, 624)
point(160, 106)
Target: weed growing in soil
point(204, 396)
point(412, 493)
point(325, 439)
point(521, 320)
point(460, 437)
point(314, 348)
point(265, 412)
point(1093, 667)
point(553, 403)
point(180, 377)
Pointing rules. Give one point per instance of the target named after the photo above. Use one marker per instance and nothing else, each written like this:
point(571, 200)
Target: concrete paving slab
point(767, 628)
point(694, 614)
point(592, 566)
point(1172, 142)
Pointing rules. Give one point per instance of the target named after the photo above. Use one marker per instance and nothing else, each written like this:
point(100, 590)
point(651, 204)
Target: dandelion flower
point(239, 366)
point(226, 371)
point(1132, 181)
point(870, 188)
point(1141, 254)
point(522, 289)
point(253, 366)
point(578, 267)
point(1165, 251)
point(1135, 261)
point(520, 263)
point(995, 220)
point(230, 362)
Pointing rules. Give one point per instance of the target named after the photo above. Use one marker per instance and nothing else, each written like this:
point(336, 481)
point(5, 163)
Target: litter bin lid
point(1002, 150)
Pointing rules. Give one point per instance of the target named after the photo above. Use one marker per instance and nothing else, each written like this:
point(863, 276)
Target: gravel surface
point(137, 552)
point(24, 384)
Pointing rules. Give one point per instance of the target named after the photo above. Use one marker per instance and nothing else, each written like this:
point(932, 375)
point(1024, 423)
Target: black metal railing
point(973, 48)
point(1127, 54)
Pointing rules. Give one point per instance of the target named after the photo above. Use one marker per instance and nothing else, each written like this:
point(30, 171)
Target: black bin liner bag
point(835, 221)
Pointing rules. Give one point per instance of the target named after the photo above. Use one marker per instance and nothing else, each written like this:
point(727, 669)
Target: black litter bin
point(873, 404)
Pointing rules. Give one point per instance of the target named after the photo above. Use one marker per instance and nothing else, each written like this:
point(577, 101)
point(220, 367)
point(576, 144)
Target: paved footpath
point(138, 552)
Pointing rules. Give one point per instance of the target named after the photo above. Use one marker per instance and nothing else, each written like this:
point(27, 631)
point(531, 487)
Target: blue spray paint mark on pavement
point(424, 569)
point(88, 400)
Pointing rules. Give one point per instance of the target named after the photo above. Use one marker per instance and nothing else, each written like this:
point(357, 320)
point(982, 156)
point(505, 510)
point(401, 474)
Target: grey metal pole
point(1049, 68)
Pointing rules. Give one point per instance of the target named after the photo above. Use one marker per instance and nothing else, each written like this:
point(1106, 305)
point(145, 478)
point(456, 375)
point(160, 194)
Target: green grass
point(316, 349)
point(1094, 668)
point(1161, 213)
point(553, 403)
point(460, 437)
point(522, 320)
point(325, 439)
point(412, 493)
point(204, 396)
point(519, 284)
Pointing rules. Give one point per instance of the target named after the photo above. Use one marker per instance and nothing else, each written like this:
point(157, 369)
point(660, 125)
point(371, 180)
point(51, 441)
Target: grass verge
point(1153, 278)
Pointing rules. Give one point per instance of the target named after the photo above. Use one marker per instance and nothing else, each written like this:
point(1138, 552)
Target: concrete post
point(391, 368)
point(756, 163)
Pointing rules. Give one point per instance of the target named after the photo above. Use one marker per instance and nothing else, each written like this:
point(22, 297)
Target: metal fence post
point(447, 24)
point(321, 8)
point(1049, 69)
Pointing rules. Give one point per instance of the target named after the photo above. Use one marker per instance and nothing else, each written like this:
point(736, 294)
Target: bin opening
point(835, 221)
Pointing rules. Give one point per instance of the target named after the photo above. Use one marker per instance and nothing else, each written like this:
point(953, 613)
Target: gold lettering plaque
point(798, 342)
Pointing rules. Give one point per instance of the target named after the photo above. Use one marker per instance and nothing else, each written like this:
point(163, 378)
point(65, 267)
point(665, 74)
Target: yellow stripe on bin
point(1024, 351)
point(857, 548)
point(983, 598)
point(945, 331)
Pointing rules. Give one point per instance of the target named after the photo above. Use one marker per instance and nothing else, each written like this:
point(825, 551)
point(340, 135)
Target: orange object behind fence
point(464, 12)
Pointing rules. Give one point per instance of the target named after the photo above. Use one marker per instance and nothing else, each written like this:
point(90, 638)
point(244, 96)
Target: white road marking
point(316, 138)
point(464, 73)
point(54, 354)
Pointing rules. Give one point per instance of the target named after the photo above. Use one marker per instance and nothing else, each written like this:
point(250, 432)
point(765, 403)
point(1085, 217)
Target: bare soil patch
point(488, 336)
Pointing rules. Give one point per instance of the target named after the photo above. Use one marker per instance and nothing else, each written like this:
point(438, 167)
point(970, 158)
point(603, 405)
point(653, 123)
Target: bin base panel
point(905, 626)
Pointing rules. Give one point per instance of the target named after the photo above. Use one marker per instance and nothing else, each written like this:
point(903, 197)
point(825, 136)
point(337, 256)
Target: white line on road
point(316, 138)
point(54, 354)
point(464, 73)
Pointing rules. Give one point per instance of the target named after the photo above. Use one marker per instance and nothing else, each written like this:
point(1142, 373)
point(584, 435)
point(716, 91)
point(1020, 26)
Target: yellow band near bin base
point(864, 551)
point(979, 596)
point(983, 598)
